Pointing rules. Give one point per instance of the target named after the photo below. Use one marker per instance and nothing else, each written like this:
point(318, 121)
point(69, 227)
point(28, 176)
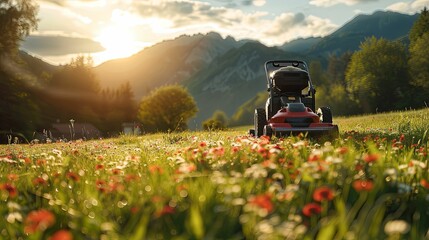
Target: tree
point(167, 109)
point(73, 91)
point(17, 110)
point(17, 19)
point(419, 58)
point(420, 27)
point(377, 76)
point(218, 121)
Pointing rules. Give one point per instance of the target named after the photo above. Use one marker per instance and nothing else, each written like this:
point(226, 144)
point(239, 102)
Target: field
point(371, 183)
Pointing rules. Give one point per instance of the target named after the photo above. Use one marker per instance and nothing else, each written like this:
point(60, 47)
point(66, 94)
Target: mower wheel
point(268, 131)
point(259, 121)
point(325, 114)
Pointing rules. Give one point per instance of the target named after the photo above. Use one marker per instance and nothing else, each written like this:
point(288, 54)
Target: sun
point(119, 41)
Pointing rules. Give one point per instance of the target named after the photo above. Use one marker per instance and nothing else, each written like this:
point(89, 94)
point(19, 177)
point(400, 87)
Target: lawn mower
point(290, 107)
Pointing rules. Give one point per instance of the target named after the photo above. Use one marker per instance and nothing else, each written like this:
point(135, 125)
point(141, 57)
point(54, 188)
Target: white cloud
point(329, 3)
point(409, 7)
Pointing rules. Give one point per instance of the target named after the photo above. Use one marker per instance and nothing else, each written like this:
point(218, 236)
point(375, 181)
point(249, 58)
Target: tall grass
point(223, 185)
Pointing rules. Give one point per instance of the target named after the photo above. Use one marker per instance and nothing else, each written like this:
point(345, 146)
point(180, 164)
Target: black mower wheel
point(268, 131)
point(260, 121)
point(325, 114)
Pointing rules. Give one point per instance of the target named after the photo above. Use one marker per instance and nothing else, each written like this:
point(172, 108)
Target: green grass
point(372, 183)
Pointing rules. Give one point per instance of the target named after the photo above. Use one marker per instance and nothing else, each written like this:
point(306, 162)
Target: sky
point(109, 29)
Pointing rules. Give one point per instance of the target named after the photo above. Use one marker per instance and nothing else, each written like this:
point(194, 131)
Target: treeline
point(71, 92)
point(381, 76)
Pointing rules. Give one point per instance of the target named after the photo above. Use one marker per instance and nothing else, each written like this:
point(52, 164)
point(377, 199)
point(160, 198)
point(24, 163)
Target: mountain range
point(223, 73)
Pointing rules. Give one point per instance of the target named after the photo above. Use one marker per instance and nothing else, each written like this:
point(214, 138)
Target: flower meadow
point(216, 185)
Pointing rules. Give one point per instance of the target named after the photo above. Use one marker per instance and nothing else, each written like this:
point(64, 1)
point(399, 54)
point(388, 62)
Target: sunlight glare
point(118, 41)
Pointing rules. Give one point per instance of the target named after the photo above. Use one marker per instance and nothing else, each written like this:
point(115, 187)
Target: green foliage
point(17, 19)
point(19, 113)
point(222, 185)
point(377, 76)
point(420, 27)
point(167, 109)
point(244, 114)
point(218, 121)
point(419, 62)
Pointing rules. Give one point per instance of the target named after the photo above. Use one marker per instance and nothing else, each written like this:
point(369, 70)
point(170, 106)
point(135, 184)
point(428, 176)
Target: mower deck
point(314, 130)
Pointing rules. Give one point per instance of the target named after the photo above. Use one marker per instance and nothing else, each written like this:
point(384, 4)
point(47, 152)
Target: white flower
point(396, 227)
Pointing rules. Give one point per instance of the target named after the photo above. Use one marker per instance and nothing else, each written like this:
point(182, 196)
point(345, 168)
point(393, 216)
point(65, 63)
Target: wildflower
point(262, 201)
point(38, 220)
point(39, 181)
point(363, 185)
point(99, 166)
point(73, 176)
point(342, 150)
point(10, 189)
point(323, 194)
point(12, 177)
point(166, 210)
point(155, 169)
point(424, 183)
point(116, 171)
point(396, 227)
point(62, 235)
point(311, 209)
point(369, 158)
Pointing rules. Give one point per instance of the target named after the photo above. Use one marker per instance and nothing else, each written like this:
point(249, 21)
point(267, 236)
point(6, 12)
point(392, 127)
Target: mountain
point(301, 44)
point(388, 25)
point(232, 79)
point(168, 62)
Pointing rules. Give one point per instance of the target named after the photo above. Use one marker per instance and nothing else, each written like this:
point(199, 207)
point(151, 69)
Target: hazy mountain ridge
point(168, 62)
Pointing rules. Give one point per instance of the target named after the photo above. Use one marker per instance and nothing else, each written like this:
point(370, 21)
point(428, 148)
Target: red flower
point(12, 177)
point(73, 176)
point(342, 150)
point(311, 209)
point(62, 235)
point(38, 220)
point(155, 169)
point(323, 194)
point(424, 183)
point(369, 158)
point(363, 185)
point(262, 201)
point(39, 181)
point(313, 158)
point(116, 171)
point(10, 189)
point(41, 162)
point(165, 211)
point(99, 166)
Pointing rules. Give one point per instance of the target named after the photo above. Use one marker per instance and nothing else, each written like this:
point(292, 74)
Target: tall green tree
point(17, 19)
point(419, 58)
point(420, 27)
point(17, 110)
point(377, 76)
point(167, 109)
point(73, 91)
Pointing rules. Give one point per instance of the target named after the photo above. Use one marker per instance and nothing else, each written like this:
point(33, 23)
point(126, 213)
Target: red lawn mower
point(290, 108)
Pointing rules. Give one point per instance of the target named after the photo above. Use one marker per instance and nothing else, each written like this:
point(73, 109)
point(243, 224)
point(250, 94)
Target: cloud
point(289, 26)
point(60, 45)
point(409, 7)
point(329, 3)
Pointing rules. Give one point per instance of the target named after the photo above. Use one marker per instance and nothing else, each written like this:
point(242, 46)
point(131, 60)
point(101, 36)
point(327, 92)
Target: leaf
point(196, 222)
